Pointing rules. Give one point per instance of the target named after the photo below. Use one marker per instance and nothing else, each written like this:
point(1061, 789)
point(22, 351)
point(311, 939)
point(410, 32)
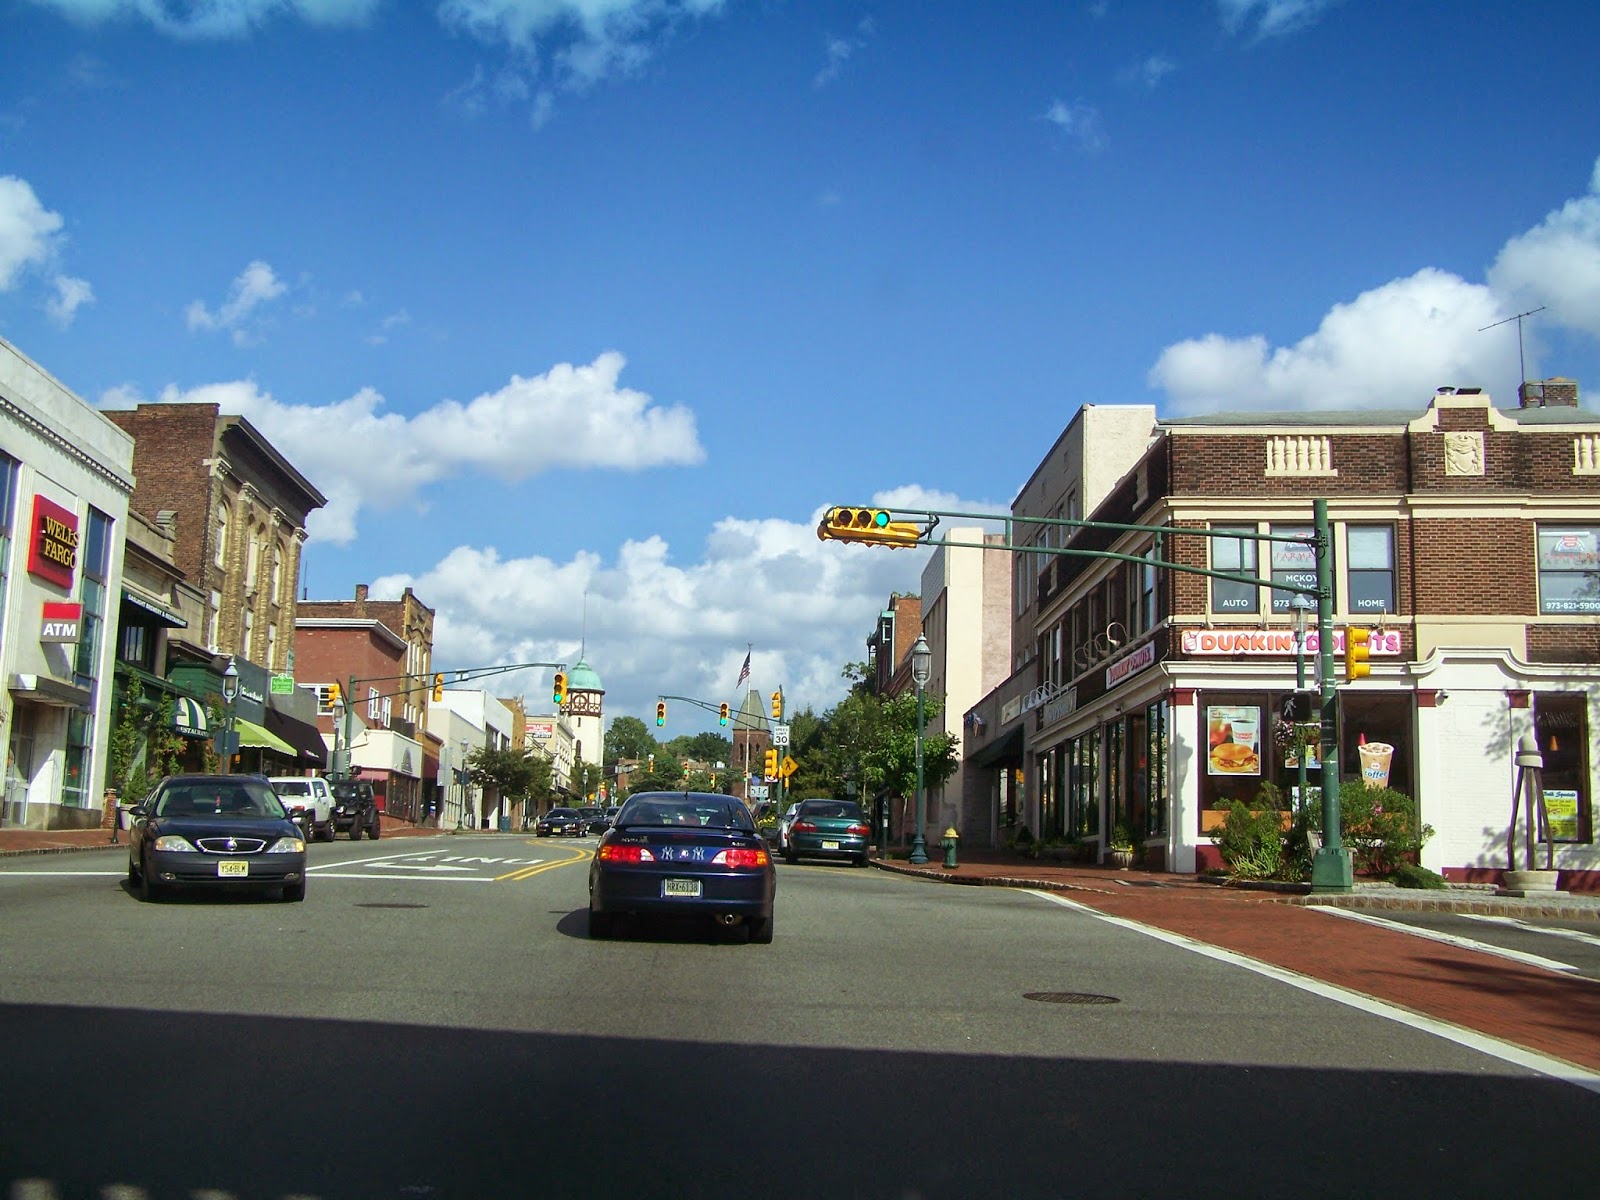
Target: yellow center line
point(529, 872)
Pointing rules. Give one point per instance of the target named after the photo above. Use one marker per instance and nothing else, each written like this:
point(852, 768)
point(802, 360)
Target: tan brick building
point(1465, 537)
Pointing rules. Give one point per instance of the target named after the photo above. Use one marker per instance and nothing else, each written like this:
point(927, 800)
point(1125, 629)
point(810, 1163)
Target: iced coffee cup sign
point(1375, 760)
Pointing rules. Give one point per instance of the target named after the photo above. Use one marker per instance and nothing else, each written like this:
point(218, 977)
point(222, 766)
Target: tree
point(515, 774)
point(628, 737)
point(701, 747)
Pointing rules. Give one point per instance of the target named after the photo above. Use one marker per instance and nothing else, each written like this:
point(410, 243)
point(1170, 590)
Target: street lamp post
point(921, 667)
point(230, 693)
point(1301, 607)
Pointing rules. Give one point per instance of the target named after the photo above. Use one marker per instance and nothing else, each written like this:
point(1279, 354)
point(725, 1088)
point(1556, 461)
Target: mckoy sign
point(53, 542)
point(1271, 642)
point(61, 622)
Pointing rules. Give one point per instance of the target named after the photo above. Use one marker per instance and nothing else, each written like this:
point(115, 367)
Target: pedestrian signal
point(722, 713)
point(558, 688)
point(661, 712)
point(874, 526)
point(438, 687)
point(1357, 649)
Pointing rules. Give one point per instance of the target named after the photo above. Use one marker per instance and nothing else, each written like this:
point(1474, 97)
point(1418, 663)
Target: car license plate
point(830, 845)
point(680, 887)
point(233, 868)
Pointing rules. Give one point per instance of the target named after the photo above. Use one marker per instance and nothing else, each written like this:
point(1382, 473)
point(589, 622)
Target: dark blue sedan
point(215, 831)
point(694, 854)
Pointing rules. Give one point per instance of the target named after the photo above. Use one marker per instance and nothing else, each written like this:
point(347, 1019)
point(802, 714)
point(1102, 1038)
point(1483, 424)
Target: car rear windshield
point(561, 812)
point(843, 809)
point(291, 787)
point(693, 814)
point(219, 798)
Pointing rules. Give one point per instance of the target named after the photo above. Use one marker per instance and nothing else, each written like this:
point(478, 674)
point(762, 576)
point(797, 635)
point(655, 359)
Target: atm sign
point(61, 622)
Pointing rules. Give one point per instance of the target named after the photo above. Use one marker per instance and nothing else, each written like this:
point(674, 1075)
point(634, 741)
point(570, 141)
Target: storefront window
point(1083, 807)
point(1155, 770)
point(1561, 722)
point(1233, 732)
point(1292, 562)
point(1238, 556)
point(1369, 565)
point(1049, 801)
point(1569, 569)
point(74, 785)
point(1118, 802)
point(1375, 740)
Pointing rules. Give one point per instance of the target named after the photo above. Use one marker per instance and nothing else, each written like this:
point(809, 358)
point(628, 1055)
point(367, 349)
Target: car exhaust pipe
point(728, 920)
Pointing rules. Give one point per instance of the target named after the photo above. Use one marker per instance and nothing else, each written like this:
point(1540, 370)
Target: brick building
point(1467, 538)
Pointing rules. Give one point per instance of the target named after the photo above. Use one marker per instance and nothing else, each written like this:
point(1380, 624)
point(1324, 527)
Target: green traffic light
point(880, 518)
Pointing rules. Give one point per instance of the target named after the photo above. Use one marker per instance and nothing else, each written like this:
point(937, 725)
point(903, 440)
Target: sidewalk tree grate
point(377, 904)
point(1070, 998)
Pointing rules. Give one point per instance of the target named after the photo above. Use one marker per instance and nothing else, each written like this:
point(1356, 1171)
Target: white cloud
point(1148, 72)
point(254, 286)
point(1080, 122)
point(572, 416)
point(839, 50)
point(1557, 264)
point(29, 232)
point(768, 584)
point(393, 321)
point(1271, 18)
point(1393, 345)
point(213, 18)
point(71, 294)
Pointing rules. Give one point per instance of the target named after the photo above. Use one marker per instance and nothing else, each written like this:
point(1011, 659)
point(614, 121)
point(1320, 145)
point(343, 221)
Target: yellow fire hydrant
point(951, 838)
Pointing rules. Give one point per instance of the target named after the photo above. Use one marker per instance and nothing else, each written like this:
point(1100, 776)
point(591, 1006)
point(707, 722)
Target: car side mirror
point(140, 811)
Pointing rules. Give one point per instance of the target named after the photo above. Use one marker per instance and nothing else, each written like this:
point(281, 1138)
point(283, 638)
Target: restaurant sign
point(1130, 664)
point(1272, 642)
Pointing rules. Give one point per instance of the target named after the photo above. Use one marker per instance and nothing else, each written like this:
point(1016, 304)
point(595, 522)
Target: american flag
point(744, 671)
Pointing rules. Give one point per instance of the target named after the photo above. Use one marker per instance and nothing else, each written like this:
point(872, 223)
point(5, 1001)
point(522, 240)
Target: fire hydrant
point(951, 838)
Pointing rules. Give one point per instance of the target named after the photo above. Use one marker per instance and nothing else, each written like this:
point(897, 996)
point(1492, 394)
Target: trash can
point(505, 824)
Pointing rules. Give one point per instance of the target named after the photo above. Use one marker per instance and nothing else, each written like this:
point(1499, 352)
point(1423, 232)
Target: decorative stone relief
point(1300, 454)
point(1586, 454)
point(1463, 452)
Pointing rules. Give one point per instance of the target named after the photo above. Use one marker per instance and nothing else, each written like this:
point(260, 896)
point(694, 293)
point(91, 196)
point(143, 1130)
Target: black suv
point(355, 809)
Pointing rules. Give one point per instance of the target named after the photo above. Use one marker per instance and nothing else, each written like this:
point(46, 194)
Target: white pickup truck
point(309, 800)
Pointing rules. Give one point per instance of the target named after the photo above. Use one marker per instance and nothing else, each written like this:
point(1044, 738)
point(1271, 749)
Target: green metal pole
point(1302, 752)
point(1331, 870)
point(919, 845)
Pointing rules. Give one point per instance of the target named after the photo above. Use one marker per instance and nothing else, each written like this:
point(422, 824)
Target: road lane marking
point(1471, 1039)
point(1519, 923)
point(1449, 939)
point(522, 873)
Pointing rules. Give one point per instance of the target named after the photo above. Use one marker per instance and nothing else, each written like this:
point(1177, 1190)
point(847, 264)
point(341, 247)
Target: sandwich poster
point(1234, 738)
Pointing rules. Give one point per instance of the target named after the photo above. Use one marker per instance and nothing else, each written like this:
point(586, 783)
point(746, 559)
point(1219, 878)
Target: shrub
point(1379, 825)
point(1409, 875)
point(1251, 840)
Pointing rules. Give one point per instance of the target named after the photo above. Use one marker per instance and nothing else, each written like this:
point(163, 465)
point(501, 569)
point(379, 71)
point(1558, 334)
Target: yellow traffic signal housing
point(777, 706)
point(661, 712)
point(558, 688)
point(722, 713)
point(770, 768)
point(438, 687)
point(875, 526)
point(333, 695)
point(1357, 649)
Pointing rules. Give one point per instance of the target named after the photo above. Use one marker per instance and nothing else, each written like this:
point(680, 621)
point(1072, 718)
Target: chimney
point(361, 599)
point(1555, 392)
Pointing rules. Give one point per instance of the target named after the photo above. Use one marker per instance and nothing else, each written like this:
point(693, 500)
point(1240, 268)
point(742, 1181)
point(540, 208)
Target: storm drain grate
point(379, 904)
point(1070, 998)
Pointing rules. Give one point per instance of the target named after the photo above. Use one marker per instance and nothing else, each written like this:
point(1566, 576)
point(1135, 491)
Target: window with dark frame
point(1369, 568)
point(1292, 562)
point(1569, 569)
point(1237, 556)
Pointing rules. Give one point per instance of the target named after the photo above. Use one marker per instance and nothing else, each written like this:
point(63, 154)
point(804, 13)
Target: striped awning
point(251, 734)
point(189, 717)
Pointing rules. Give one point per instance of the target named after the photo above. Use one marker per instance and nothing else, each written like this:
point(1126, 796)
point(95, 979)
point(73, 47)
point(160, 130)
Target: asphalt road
point(433, 1022)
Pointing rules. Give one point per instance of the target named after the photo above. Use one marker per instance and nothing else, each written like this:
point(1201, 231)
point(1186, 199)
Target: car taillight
point(802, 827)
point(625, 854)
point(858, 830)
point(742, 858)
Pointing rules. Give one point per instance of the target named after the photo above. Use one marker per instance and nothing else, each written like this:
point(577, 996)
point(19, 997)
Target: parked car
point(594, 819)
point(309, 800)
point(560, 822)
point(217, 831)
point(828, 829)
point(355, 809)
point(694, 854)
point(784, 822)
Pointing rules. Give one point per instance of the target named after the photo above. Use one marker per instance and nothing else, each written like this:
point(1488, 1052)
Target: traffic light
point(722, 713)
point(874, 526)
point(777, 706)
point(1357, 649)
point(438, 687)
point(770, 770)
point(558, 688)
point(661, 712)
point(333, 695)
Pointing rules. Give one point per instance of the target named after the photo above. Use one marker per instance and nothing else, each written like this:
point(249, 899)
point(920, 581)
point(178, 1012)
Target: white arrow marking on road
point(417, 867)
point(1449, 939)
point(1519, 923)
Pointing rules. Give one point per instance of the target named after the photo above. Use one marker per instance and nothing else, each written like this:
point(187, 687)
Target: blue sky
point(580, 311)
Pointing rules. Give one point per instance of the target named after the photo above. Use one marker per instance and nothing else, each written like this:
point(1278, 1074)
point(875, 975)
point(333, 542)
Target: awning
point(251, 734)
point(189, 717)
point(1007, 748)
point(154, 608)
point(310, 749)
point(41, 689)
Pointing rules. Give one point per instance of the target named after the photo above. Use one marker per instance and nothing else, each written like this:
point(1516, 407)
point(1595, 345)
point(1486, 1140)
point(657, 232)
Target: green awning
point(251, 734)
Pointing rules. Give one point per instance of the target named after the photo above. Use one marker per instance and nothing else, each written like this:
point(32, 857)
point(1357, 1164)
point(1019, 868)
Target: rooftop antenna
point(1522, 365)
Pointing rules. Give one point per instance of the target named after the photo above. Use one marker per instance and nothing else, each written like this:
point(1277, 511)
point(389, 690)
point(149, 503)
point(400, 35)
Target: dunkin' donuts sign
point(1273, 642)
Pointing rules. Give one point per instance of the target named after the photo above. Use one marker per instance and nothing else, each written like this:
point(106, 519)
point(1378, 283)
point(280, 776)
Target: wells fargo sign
point(53, 548)
point(1276, 641)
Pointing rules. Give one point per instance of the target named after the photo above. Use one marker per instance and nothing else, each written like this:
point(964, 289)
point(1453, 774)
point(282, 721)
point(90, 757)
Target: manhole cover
point(1070, 998)
point(382, 905)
